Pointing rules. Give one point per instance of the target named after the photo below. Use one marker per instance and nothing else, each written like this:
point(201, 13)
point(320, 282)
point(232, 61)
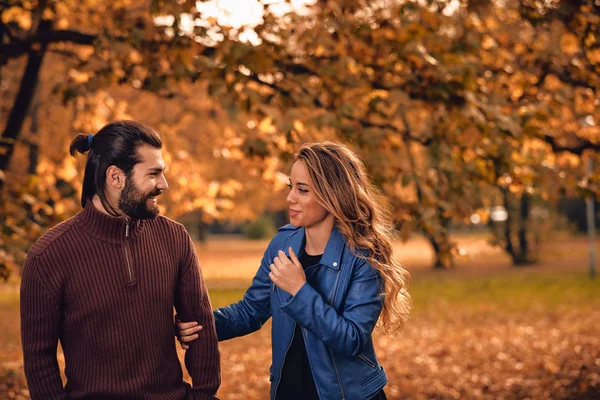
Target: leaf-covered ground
point(482, 330)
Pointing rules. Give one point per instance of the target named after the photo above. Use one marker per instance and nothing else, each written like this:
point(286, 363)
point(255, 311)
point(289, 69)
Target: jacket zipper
point(334, 289)
point(337, 374)
point(305, 335)
point(126, 252)
point(367, 361)
point(283, 363)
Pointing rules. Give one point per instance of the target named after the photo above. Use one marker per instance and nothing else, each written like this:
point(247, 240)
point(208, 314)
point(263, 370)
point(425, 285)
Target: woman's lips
point(294, 213)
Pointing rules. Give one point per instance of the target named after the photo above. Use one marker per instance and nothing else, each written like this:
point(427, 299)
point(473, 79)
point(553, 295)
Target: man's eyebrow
point(157, 169)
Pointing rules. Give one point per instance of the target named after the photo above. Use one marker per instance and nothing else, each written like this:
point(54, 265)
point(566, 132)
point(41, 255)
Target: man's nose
point(162, 183)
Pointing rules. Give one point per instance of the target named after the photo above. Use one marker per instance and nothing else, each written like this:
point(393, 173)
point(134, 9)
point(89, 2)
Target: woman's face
point(305, 210)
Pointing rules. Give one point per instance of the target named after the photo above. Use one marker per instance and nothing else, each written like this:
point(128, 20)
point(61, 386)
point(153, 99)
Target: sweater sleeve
point(193, 304)
point(41, 315)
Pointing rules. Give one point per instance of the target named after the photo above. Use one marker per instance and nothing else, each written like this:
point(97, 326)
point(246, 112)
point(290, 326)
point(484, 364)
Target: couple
point(106, 281)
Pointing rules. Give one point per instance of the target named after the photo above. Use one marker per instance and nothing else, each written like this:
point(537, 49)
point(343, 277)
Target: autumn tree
point(378, 75)
point(540, 62)
point(454, 105)
point(84, 62)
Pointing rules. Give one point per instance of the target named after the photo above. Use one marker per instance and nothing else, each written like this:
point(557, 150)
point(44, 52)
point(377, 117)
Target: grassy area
point(511, 292)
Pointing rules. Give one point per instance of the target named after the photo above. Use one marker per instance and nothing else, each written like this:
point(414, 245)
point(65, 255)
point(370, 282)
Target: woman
point(326, 280)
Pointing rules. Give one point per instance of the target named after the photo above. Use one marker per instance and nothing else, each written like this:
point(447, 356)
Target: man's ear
point(115, 177)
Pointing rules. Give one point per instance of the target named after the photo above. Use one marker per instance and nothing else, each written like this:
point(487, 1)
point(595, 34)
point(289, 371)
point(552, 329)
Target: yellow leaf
point(266, 125)
point(298, 125)
point(488, 42)
point(18, 15)
point(569, 44)
point(213, 189)
point(135, 57)
point(62, 23)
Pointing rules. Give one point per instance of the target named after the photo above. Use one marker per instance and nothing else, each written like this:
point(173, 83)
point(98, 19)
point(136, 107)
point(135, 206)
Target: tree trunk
point(34, 131)
point(524, 250)
point(436, 253)
point(441, 250)
point(525, 200)
point(509, 247)
point(22, 100)
point(520, 256)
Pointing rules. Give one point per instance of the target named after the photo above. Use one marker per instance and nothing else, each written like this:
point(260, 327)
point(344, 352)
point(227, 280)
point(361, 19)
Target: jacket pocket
point(365, 360)
point(374, 383)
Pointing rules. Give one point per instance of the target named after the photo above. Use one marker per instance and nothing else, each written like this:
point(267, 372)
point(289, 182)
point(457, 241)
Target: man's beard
point(133, 202)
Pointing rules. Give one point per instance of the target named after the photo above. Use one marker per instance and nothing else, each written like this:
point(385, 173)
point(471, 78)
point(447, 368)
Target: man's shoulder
point(169, 226)
point(168, 223)
point(52, 236)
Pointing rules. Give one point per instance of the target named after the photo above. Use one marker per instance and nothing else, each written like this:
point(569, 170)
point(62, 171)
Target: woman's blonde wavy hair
point(363, 217)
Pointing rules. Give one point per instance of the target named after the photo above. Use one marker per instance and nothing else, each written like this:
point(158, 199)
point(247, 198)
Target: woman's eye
point(303, 190)
point(289, 185)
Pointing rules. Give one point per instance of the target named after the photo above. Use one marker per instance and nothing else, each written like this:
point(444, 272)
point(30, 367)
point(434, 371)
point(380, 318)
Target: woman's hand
point(187, 332)
point(287, 273)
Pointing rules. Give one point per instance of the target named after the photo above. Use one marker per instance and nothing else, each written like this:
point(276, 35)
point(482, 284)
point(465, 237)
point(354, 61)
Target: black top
point(296, 381)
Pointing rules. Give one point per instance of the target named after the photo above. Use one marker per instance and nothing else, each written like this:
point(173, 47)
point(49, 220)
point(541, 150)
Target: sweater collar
point(107, 228)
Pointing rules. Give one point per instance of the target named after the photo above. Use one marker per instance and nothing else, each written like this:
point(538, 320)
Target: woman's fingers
point(278, 262)
point(293, 257)
point(186, 325)
point(274, 269)
point(184, 346)
point(191, 331)
point(187, 339)
point(282, 257)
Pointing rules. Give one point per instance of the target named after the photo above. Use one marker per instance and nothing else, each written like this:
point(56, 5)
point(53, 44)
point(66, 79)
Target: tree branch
point(578, 150)
point(20, 47)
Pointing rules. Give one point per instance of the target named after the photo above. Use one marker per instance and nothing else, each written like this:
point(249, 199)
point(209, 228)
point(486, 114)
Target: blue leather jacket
point(337, 317)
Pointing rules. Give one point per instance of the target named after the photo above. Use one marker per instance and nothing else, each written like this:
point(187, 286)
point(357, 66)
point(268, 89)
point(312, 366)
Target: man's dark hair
point(115, 144)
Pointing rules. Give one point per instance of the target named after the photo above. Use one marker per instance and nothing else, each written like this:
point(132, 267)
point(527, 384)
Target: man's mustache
point(155, 193)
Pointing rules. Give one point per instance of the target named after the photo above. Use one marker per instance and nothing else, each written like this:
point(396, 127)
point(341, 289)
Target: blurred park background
point(480, 120)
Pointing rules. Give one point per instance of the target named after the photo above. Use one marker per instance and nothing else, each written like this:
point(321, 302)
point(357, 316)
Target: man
point(105, 283)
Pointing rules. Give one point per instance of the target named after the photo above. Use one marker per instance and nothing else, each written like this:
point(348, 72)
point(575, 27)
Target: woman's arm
point(243, 317)
point(250, 313)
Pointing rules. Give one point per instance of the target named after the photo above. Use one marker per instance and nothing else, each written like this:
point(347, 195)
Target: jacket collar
point(107, 228)
point(332, 255)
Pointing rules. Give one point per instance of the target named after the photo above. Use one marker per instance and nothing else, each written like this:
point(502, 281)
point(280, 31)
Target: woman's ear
point(115, 177)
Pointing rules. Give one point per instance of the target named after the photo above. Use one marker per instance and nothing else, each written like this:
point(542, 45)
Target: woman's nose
point(290, 197)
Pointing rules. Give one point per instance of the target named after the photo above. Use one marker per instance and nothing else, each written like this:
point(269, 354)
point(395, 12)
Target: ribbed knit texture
point(109, 299)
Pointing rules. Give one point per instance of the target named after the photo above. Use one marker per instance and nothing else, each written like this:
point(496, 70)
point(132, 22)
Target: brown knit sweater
point(106, 287)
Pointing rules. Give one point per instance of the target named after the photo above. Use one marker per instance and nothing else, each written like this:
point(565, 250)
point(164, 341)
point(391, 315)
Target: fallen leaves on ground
point(554, 355)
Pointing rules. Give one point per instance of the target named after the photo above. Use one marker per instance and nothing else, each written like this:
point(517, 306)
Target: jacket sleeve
point(41, 316)
point(193, 304)
point(348, 332)
point(250, 313)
